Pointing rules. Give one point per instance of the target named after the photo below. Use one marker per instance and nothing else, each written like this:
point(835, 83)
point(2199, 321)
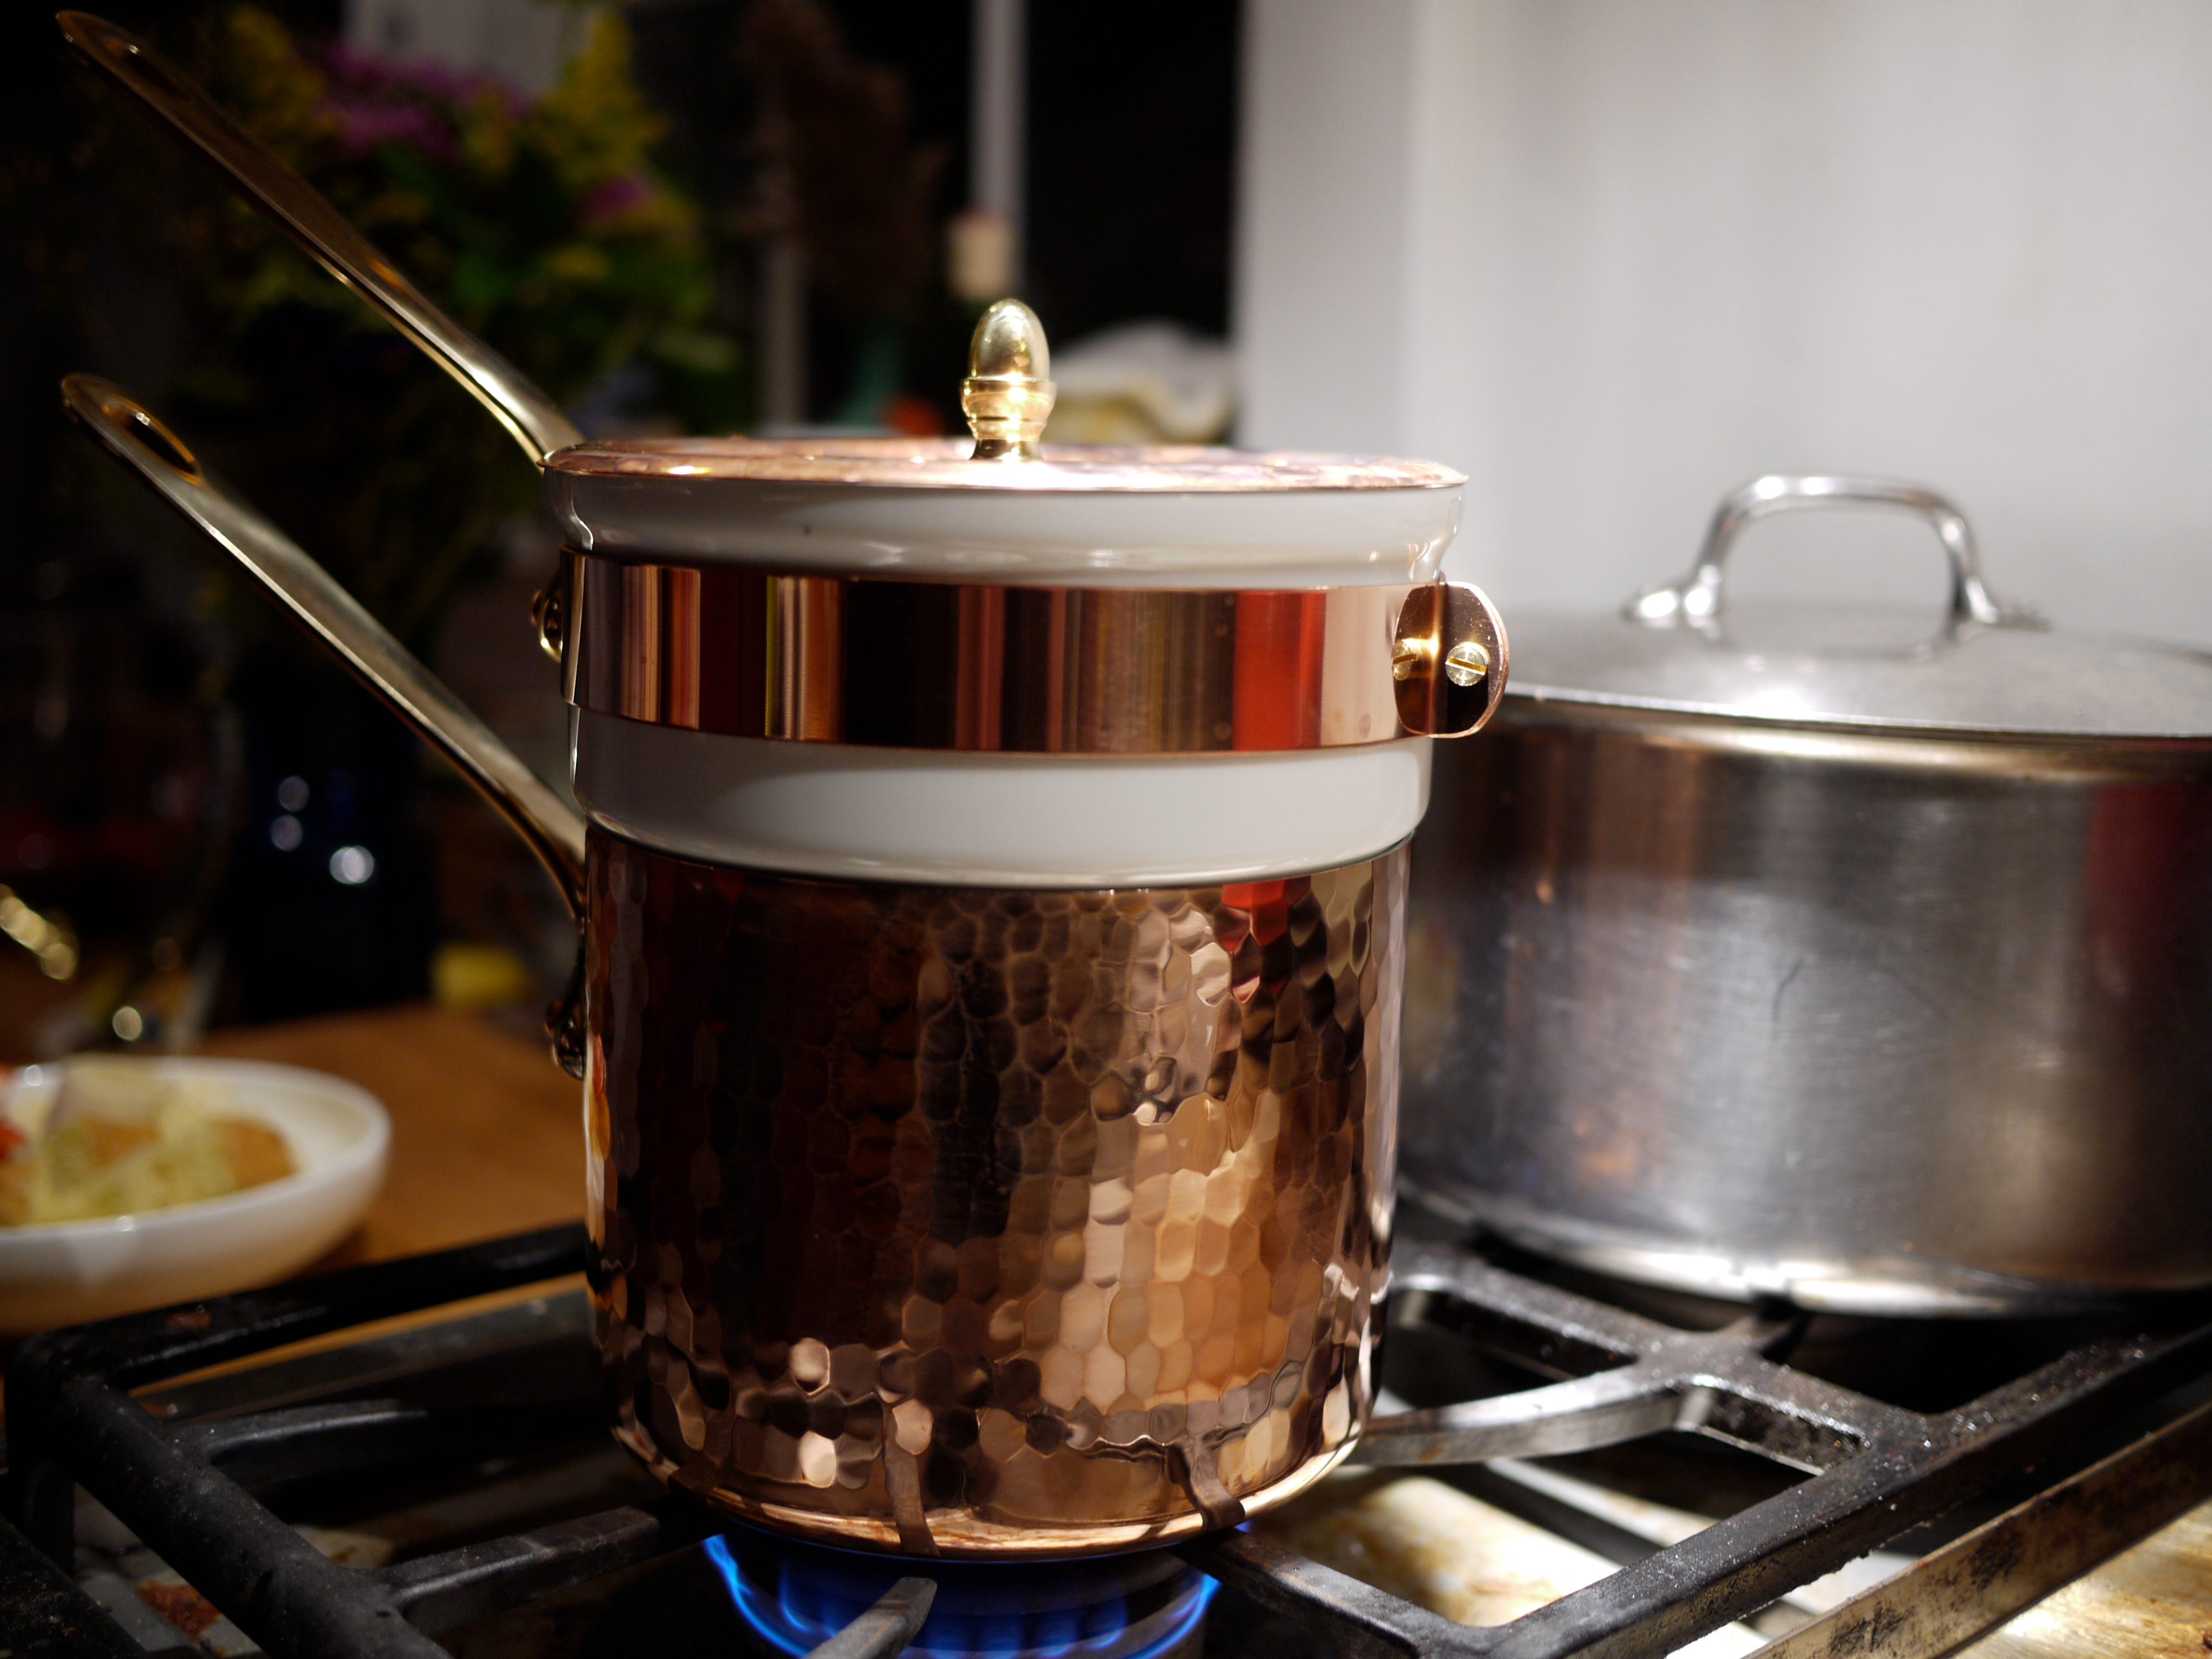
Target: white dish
point(67, 1273)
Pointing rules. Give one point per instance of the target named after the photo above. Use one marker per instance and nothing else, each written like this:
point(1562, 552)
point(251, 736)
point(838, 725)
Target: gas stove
point(407, 1460)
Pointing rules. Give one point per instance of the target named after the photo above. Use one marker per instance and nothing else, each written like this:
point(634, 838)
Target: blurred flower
point(362, 127)
point(616, 198)
point(545, 226)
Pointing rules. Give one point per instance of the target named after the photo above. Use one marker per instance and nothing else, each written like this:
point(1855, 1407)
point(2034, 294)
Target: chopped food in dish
point(122, 1138)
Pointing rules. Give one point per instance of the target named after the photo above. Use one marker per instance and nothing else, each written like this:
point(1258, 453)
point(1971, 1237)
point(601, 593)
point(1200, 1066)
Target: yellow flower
point(488, 135)
point(579, 263)
point(596, 125)
point(262, 70)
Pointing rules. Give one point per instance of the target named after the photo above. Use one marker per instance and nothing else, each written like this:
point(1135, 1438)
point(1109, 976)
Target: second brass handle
point(553, 829)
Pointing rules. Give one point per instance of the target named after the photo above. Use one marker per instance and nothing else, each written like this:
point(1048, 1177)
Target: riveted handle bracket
point(1447, 660)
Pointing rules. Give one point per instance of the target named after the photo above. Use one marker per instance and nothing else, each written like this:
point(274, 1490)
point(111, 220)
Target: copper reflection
point(1029, 670)
point(955, 1220)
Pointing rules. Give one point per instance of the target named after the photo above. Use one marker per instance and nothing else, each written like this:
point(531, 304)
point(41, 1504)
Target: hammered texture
point(959, 1220)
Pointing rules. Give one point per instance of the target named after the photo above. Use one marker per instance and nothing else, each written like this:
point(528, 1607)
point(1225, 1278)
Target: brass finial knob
point(1009, 390)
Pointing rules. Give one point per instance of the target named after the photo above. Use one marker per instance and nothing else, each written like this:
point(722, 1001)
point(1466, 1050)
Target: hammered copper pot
point(953, 1217)
point(947, 1219)
point(992, 918)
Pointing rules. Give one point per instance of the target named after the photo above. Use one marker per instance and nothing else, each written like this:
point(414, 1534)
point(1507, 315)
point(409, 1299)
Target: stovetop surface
point(1569, 1466)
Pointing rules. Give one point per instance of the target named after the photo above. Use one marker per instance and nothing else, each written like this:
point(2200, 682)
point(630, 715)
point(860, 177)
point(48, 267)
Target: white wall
point(1613, 257)
point(525, 42)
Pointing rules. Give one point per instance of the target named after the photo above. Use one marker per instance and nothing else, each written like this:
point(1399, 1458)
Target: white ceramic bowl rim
point(365, 1149)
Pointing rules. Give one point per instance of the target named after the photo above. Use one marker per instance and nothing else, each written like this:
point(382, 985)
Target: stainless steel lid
point(1985, 669)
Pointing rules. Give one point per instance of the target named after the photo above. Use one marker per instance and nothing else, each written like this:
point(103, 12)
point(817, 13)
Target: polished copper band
point(915, 664)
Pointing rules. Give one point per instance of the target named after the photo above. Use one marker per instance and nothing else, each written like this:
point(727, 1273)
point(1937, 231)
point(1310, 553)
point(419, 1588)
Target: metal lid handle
point(1696, 600)
point(1008, 394)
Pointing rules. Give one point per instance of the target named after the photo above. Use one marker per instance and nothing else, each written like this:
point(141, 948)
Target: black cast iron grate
point(186, 1487)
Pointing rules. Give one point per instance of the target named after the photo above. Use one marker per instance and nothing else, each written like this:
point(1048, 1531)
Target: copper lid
point(1007, 397)
point(947, 464)
point(1001, 508)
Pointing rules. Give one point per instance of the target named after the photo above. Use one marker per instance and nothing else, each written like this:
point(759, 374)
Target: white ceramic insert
point(1173, 518)
point(854, 813)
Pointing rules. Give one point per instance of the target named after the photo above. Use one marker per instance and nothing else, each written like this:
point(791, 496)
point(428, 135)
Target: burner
point(798, 1596)
point(444, 1476)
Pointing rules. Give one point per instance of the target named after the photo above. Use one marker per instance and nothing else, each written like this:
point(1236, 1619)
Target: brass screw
point(1466, 663)
point(1406, 657)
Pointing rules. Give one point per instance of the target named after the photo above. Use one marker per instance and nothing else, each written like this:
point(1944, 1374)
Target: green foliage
point(545, 228)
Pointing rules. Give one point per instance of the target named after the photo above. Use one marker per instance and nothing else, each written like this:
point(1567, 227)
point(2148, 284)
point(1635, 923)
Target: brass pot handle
point(296, 207)
point(1696, 600)
point(553, 829)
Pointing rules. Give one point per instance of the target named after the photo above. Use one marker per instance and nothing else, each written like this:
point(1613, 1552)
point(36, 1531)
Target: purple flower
point(376, 100)
point(362, 127)
point(414, 77)
point(613, 198)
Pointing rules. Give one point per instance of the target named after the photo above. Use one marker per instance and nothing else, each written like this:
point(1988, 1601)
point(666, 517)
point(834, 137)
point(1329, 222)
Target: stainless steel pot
point(1791, 950)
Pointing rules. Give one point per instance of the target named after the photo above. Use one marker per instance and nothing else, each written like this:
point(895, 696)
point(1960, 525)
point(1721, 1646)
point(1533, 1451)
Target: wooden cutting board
point(487, 1133)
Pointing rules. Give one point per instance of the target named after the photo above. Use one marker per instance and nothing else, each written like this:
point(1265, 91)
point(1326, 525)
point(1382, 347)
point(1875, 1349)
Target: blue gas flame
point(796, 1596)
